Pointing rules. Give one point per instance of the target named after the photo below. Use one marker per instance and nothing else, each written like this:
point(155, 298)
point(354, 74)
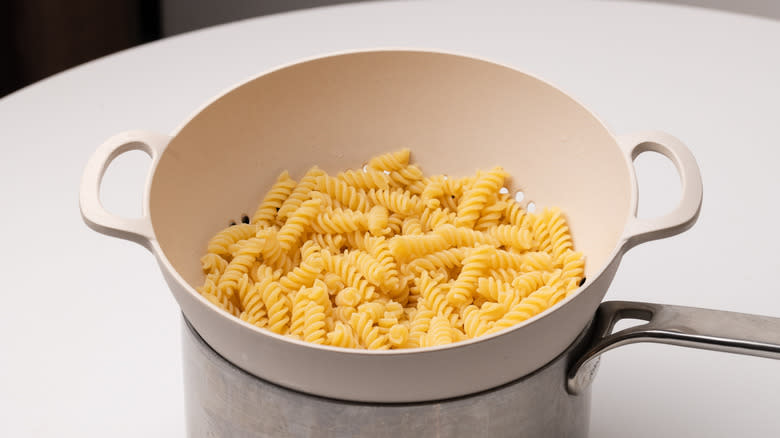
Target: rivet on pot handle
point(694, 327)
point(687, 211)
point(138, 230)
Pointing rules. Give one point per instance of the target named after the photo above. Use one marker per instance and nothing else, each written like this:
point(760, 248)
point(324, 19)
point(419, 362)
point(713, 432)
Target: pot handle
point(687, 211)
point(139, 229)
point(693, 327)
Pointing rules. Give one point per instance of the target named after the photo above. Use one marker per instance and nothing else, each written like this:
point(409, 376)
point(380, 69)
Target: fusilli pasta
point(384, 257)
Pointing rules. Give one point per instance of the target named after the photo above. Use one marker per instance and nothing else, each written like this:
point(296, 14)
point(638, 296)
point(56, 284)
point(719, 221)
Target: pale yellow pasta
point(431, 218)
point(408, 247)
point(491, 216)
point(334, 221)
point(390, 161)
point(384, 257)
point(349, 274)
point(476, 198)
point(304, 274)
point(367, 333)
point(341, 336)
point(461, 236)
point(265, 215)
point(475, 265)
point(213, 263)
point(298, 223)
point(300, 193)
point(367, 179)
point(220, 244)
point(447, 258)
point(513, 237)
point(343, 193)
point(397, 201)
point(367, 265)
point(440, 332)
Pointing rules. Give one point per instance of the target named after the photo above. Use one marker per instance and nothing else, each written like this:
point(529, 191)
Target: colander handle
point(139, 229)
point(687, 211)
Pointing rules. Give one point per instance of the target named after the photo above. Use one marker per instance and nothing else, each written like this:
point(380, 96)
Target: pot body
point(223, 400)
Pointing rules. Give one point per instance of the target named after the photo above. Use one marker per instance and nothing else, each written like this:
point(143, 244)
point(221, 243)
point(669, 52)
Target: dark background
point(39, 38)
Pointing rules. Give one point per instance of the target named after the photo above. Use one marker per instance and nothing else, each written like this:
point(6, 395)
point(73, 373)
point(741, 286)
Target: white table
point(89, 334)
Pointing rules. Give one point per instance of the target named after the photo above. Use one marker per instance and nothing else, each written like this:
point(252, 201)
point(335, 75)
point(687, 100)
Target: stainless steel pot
point(553, 401)
point(455, 113)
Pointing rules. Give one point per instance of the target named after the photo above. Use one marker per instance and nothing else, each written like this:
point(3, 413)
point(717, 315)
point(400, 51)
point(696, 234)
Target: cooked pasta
point(384, 257)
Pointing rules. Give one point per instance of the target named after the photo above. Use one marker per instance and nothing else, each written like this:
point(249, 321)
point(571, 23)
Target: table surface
point(89, 333)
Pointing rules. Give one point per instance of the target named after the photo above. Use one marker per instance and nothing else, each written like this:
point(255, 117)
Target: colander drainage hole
point(531, 207)
point(245, 218)
point(519, 196)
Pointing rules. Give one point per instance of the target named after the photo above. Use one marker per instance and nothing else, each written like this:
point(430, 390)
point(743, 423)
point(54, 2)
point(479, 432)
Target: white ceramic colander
point(456, 114)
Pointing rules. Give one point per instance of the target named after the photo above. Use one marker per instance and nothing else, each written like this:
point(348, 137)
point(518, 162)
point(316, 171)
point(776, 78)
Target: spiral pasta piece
point(537, 261)
point(397, 201)
point(278, 307)
point(514, 214)
point(431, 195)
point(409, 176)
point(419, 327)
point(379, 248)
point(330, 242)
point(304, 274)
point(390, 161)
point(367, 265)
point(527, 283)
point(336, 221)
point(431, 219)
point(265, 215)
point(473, 325)
point(474, 266)
point(211, 292)
point(314, 324)
point(348, 273)
point(367, 332)
point(378, 221)
point(573, 265)
point(461, 236)
point(552, 233)
point(343, 193)
point(341, 336)
point(513, 237)
point(220, 244)
point(448, 258)
point(395, 222)
point(491, 216)
point(440, 332)
point(368, 179)
point(475, 199)
point(409, 247)
point(300, 193)
point(239, 266)
point(252, 301)
point(212, 263)
point(297, 224)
